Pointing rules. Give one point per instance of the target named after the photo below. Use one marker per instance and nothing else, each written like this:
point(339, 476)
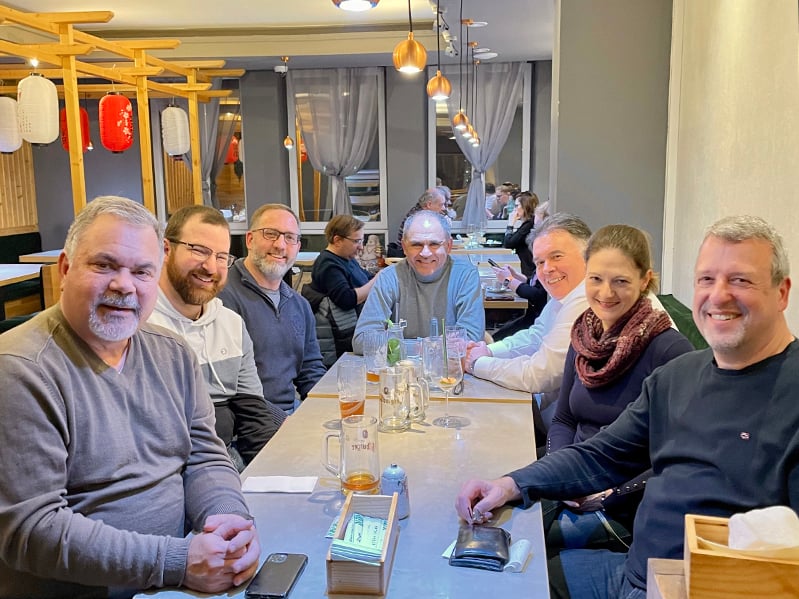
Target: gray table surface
point(437, 462)
point(474, 389)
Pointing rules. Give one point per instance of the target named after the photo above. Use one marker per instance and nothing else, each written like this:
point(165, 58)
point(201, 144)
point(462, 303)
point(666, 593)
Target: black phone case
point(492, 263)
point(277, 576)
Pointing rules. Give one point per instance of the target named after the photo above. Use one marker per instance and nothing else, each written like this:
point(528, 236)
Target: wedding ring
point(477, 516)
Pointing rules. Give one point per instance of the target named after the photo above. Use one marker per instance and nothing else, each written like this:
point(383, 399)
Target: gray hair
point(428, 196)
point(563, 221)
point(437, 216)
point(735, 229)
point(124, 209)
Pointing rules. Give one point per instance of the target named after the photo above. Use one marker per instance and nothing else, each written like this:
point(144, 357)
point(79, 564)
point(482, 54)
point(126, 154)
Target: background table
point(16, 273)
point(437, 462)
point(474, 389)
point(46, 257)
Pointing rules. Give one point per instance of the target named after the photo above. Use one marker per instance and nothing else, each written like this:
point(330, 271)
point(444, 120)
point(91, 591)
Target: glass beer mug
point(418, 397)
point(359, 463)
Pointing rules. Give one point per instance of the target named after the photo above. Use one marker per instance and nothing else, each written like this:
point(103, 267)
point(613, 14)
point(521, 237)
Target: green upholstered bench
point(683, 318)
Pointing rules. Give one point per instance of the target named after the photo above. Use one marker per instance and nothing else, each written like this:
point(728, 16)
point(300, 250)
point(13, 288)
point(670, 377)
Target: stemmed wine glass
point(447, 374)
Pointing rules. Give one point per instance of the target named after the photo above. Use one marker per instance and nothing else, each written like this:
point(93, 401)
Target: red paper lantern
point(116, 122)
point(84, 129)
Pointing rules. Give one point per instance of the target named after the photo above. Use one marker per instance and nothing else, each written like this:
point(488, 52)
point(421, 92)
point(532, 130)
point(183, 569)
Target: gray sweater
point(101, 472)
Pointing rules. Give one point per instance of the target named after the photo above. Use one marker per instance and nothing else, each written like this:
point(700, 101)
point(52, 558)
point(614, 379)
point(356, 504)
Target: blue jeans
point(597, 574)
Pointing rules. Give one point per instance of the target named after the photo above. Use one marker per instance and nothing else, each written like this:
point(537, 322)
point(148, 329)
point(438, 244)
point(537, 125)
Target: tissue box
point(354, 578)
point(711, 575)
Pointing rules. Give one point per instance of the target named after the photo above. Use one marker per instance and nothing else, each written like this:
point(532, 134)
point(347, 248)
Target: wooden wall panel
point(179, 191)
point(17, 192)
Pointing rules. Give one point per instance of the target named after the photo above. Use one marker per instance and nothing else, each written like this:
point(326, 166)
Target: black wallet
point(484, 547)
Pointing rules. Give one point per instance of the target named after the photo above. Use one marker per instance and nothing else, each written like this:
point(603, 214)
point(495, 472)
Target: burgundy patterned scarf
point(604, 356)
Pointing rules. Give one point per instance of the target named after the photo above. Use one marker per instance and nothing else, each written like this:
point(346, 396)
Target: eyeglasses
point(203, 253)
point(274, 235)
point(418, 246)
point(355, 241)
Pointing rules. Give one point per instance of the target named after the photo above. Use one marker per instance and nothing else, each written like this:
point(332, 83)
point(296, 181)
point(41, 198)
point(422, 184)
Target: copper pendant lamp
point(409, 55)
point(439, 87)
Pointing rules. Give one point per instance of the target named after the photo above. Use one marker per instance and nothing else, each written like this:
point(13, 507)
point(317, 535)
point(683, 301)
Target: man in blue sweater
point(718, 425)
point(279, 319)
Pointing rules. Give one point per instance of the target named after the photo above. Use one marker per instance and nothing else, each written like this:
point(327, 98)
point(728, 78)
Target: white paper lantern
point(10, 138)
point(175, 131)
point(38, 110)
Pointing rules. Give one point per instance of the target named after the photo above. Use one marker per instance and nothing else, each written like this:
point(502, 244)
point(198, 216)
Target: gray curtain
point(215, 138)
point(499, 91)
point(337, 115)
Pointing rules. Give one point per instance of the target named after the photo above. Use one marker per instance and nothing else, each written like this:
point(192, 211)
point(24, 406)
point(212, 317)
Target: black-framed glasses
point(203, 253)
point(355, 241)
point(274, 235)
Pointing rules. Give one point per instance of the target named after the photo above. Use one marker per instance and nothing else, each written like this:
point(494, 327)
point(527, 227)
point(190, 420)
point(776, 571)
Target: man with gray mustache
point(110, 458)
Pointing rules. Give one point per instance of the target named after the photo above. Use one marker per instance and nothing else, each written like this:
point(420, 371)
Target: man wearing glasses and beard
point(196, 263)
point(279, 319)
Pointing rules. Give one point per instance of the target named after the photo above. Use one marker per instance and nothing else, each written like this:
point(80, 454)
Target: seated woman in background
point(525, 284)
point(338, 286)
point(615, 345)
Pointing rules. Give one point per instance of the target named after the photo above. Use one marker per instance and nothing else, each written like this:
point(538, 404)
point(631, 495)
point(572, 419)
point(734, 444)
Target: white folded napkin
point(279, 484)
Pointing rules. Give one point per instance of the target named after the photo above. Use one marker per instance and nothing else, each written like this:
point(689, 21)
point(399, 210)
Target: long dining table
point(437, 461)
point(474, 389)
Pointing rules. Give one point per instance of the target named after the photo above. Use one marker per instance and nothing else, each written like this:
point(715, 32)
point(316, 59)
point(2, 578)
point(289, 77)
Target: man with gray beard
point(197, 249)
point(109, 455)
point(280, 320)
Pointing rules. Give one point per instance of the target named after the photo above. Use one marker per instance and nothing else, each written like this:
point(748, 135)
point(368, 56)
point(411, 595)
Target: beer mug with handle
point(359, 463)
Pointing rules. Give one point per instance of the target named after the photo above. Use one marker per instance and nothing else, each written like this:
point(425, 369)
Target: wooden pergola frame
point(134, 74)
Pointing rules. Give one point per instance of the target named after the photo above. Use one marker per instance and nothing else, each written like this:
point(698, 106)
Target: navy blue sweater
point(720, 442)
point(284, 338)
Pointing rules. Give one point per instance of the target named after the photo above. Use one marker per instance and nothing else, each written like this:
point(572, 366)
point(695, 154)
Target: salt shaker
point(394, 480)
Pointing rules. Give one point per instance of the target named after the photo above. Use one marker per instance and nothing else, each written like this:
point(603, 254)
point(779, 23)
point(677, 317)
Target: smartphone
point(494, 264)
point(277, 576)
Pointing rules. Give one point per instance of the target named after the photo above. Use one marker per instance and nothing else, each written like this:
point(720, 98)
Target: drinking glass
point(449, 373)
point(456, 338)
point(351, 387)
point(375, 350)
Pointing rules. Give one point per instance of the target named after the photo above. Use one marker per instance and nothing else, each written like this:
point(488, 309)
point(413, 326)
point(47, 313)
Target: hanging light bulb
point(409, 55)
point(468, 132)
point(288, 143)
point(460, 121)
point(475, 141)
point(439, 87)
point(355, 5)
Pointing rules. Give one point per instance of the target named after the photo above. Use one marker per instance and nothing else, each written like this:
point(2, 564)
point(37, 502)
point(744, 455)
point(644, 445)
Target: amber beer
point(363, 483)
point(372, 377)
point(351, 408)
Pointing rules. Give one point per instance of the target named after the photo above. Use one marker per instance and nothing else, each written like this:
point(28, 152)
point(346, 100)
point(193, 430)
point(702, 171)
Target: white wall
point(733, 143)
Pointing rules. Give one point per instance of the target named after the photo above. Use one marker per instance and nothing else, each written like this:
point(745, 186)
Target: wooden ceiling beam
point(86, 16)
point(60, 49)
point(158, 44)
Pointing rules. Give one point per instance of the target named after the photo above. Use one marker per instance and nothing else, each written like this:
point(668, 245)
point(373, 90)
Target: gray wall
point(612, 114)
point(105, 173)
point(264, 126)
point(541, 124)
point(406, 144)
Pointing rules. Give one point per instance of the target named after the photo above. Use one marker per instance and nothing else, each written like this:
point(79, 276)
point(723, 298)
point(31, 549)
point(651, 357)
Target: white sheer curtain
point(337, 114)
point(499, 91)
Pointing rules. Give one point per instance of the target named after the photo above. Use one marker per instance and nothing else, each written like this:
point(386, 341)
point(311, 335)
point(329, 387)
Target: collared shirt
point(533, 359)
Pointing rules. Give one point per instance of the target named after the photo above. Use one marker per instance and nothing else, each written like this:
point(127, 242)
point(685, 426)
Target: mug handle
point(332, 468)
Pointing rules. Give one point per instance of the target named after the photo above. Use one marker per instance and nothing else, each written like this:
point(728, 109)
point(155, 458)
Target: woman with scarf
point(615, 345)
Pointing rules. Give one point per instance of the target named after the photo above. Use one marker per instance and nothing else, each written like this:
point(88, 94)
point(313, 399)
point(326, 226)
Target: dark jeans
point(590, 574)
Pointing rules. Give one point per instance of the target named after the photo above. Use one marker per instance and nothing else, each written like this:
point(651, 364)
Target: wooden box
point(710, 574)
point(354, 578)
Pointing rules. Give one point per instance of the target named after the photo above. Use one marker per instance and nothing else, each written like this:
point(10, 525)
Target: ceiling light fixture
point(288, 143)
point(409, 55)
point(355, 5)
point(460, 121)
point(439, 87)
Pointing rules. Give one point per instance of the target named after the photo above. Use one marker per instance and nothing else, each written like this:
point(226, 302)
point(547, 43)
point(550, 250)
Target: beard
point(114, 327)
point(272, 271)
point(185, 288)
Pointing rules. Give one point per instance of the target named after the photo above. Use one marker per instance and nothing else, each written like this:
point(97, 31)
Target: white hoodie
point(223, 347)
